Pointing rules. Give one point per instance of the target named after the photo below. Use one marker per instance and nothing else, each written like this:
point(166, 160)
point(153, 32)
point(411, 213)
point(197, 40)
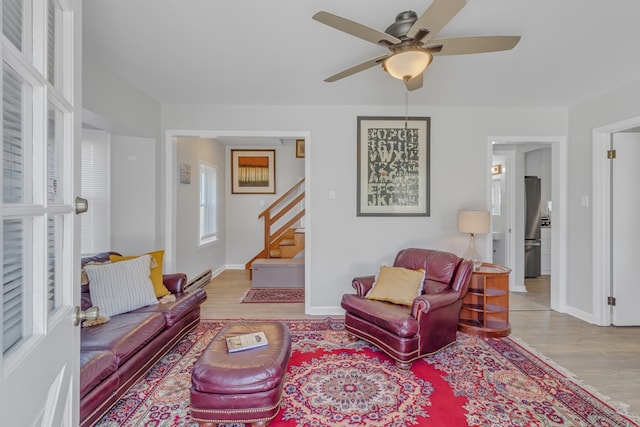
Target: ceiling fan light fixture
point(407, 64)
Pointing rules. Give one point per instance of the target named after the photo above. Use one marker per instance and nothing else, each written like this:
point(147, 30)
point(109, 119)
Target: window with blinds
point(35, 108)
point(95, 168)
point(208, 194)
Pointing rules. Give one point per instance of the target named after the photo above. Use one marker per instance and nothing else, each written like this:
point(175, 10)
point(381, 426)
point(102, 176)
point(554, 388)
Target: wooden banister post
point(267, 233)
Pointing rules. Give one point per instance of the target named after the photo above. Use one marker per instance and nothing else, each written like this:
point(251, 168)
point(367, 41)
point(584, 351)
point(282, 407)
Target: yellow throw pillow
point(156, 270)
point(397, 285)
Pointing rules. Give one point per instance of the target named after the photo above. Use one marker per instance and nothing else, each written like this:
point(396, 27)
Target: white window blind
point(13, 151)
point(12, 21)
point(95, 224)
point(208, 194)
point(13, 292)
point(51, 42)
point(14, 165)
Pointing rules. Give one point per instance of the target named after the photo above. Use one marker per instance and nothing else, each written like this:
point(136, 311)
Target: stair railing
point(274, 212)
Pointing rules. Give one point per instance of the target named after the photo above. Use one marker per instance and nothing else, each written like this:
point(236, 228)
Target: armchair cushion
point(394, 318)
point(398, 285)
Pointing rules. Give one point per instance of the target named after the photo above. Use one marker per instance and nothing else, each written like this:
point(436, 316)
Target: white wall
point(190, 257)
point(344, 245)
point(245, 232)
point(128, 112)
point(133, 195)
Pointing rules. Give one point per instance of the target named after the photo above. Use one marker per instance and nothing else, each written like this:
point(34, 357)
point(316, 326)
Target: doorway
point(232, 138)
point(608, 228)
point(512, 150)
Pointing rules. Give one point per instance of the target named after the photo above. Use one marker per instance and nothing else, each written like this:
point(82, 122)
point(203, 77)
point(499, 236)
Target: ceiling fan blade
point(467, 45)
point(435, 18)
point(414, 83)
point(356, 69)
point(356, 29)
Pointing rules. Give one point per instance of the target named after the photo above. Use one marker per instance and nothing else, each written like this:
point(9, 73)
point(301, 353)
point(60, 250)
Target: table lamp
point(473, 222)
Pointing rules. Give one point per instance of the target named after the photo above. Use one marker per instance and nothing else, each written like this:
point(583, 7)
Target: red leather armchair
point(429, 325)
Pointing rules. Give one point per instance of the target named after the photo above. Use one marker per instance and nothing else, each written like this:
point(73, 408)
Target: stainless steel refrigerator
point(532, 226)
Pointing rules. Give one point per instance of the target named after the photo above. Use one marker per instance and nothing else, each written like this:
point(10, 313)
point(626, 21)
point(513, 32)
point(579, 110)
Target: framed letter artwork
point(393, 166)
point(253, 171)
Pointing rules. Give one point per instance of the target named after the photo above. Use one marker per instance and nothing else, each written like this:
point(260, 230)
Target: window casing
point(208, 205)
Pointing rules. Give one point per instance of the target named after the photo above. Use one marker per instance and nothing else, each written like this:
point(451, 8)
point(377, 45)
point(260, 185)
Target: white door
point(625, 233)
point(40, 93)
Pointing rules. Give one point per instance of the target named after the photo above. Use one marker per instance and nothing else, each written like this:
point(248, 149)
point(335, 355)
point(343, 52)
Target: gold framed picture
point(300, 148)
point(253, 171)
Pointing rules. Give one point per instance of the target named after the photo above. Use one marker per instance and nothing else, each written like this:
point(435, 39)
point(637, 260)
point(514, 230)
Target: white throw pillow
point(122, 286)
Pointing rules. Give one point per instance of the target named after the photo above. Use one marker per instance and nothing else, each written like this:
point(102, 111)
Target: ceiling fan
point(410, 41)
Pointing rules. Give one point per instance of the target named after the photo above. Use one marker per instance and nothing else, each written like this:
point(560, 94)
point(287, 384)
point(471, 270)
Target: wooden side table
point(485, 308)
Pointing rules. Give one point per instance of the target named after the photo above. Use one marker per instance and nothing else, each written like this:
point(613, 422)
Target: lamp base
point(472, 254)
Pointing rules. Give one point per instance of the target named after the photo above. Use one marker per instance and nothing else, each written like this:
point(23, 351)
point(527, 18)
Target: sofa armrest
point(430, 302)
point(362, 285)
point(175, 282)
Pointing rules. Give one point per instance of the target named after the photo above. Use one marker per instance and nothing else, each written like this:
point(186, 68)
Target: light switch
point(584, 201)
point(332, 194)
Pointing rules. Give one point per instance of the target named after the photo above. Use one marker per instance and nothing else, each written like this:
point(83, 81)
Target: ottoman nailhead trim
point(254, 420)
point(237, 411)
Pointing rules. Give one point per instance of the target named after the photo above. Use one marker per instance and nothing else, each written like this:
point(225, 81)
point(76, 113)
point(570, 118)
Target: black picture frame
point(393, 166)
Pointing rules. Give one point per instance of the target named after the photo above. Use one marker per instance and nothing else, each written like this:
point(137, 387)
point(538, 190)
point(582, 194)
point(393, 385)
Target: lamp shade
point(407, 64)
point(474, 222)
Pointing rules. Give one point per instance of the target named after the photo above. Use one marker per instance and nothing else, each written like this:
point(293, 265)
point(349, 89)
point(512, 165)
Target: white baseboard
point(218, 271)
point(324, 311)
point(234, 267)
point(582, 315)
point(518, 289)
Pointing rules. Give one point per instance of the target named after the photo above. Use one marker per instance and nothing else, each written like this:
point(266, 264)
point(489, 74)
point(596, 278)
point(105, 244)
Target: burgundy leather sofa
point(114, 355)
point(407, 333)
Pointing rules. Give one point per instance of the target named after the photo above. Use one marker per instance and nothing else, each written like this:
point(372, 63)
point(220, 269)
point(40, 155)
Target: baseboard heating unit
point(200, 280)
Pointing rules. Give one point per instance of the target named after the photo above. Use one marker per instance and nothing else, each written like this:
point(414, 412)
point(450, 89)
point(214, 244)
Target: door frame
point(601, 248)
point(559, 196)
point(171, 185)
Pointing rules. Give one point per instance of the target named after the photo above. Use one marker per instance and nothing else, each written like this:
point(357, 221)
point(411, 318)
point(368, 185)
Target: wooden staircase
point(291, 245)
point(283, 238)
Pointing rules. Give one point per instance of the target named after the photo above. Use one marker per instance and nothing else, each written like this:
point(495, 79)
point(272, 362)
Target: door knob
point(81, 205)
point(79, 316)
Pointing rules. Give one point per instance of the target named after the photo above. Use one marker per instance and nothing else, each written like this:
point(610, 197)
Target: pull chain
point(406, 112)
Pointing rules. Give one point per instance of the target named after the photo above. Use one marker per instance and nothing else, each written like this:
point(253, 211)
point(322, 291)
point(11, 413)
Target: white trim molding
point(559, 159)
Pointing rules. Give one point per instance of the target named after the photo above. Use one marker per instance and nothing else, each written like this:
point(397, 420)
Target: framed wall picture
point(393, 166)
point(253, 171)
point(185, 173)
point(299, 147)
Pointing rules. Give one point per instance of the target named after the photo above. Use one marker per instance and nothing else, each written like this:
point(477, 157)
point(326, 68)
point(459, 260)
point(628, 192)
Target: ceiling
point(257, 52)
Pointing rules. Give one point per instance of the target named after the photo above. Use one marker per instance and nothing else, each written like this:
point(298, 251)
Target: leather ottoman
point(245, 386)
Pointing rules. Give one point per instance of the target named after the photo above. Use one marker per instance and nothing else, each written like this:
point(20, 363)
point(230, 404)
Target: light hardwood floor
point(605, 358)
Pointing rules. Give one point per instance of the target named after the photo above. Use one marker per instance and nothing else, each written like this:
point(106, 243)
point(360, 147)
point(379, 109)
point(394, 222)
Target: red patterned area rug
point(334, 382)
point(272, 295)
